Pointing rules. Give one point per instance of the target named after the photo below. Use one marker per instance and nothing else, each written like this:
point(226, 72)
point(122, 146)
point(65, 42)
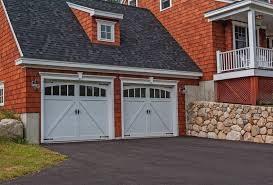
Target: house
point(230, 40)
point(87, 69)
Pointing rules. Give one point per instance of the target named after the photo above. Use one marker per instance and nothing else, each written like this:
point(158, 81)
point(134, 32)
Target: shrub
point(9, 114)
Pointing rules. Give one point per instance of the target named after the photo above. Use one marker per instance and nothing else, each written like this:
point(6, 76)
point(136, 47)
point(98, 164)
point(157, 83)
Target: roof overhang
point(76, 66)
point(239, 7)
point(95, 12)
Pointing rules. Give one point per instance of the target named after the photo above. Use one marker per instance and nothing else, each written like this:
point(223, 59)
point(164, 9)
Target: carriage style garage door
point(75, 111)
point(148, 111)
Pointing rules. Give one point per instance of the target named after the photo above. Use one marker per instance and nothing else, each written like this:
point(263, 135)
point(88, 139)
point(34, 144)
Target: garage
point(76, 111)
point(149, 110)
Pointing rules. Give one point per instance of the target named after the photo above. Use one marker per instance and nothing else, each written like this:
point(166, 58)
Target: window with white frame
point(132, 2)
point(241, 37)
point(240, 34)
point(106, 30)
point(1, 94)
point(165, 4)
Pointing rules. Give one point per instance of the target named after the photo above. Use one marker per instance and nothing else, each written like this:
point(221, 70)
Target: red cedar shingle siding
point(13, 76)
point(186, 23)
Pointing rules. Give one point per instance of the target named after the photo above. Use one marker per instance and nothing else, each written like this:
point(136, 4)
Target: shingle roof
point(47, 29)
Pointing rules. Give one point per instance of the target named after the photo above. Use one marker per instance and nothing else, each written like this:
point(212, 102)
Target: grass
point(21, 159)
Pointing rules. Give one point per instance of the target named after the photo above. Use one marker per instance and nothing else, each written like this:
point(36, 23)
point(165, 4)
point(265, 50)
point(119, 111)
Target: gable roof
point(49, 30)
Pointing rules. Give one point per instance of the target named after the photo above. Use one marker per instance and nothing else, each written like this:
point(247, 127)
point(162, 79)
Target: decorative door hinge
point(169, 133)
point(126, 135)
point(48, 139)
point(104, 136)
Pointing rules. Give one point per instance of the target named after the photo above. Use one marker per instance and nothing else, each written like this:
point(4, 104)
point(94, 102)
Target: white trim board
point(95, 12)
point(243, 73)
point(12, 30)
point(239, 7)
point(61, 65)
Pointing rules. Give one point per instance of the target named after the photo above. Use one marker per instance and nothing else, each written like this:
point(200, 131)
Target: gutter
point(63, 65)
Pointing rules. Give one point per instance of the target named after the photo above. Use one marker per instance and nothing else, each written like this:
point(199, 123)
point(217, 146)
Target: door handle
point(78, 111)
point(148, 111)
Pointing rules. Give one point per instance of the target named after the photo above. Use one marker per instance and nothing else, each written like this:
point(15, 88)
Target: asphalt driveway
point(166, 161)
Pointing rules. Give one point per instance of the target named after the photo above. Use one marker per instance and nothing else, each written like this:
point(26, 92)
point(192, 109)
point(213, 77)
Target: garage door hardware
point(127, 135)
point(148, 111)
point(104, 136)
point(48, 139)
point(77, 111)
point(169, 133)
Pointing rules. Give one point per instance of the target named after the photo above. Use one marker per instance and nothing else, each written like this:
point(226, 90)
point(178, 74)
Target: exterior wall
point(231, 122)
point(262, 35)
point(89, 25)
point(186, 23)
point(13, 76)
point(34, 96)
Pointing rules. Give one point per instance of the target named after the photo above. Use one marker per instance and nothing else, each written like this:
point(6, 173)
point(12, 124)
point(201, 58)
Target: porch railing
point(233, 60)
point(265, 58)
point(240, 59)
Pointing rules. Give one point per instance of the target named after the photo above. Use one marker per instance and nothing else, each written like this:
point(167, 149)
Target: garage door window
point(60, 90)
point(135, 93)
point(92, 91)
point(159, 93)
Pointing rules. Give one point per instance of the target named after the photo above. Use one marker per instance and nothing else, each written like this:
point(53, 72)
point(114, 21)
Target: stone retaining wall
point(230, 121)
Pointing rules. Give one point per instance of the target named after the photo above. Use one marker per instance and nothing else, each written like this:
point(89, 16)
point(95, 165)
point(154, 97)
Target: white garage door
point(148, 111)
point(75, 111)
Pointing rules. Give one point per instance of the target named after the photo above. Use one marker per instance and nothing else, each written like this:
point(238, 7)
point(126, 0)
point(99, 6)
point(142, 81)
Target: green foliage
point(9, 114)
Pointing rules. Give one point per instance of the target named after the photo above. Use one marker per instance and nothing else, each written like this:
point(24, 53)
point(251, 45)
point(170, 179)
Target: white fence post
point(219, 63)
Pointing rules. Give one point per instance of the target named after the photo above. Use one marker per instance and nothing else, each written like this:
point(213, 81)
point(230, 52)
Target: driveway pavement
point(163, 161)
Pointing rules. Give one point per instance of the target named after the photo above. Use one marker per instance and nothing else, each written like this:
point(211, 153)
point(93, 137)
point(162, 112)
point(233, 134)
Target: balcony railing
point(239, 59)
point(265, 58)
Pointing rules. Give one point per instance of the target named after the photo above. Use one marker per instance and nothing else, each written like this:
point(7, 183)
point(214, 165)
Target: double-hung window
point(106, 30)
point(1, 94)
point(165, 4)
point(241, 35)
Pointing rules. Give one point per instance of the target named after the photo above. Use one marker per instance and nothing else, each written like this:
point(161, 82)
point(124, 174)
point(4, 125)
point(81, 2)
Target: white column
point(252, 37)
point(218, 62)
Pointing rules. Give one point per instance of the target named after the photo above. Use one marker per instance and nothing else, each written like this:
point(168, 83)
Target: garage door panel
point(93, 118)
point(135, 118)
point(161, 116)
point(161, 119)
point(60, 119)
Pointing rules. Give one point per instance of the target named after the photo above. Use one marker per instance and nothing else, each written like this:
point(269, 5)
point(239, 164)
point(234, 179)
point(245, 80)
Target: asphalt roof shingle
point(47, 29)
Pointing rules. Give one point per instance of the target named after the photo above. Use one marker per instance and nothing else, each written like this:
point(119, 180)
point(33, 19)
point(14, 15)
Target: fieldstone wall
point(230, 121)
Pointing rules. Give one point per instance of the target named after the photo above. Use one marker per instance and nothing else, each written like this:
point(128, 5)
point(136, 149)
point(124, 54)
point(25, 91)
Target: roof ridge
point(118, 4)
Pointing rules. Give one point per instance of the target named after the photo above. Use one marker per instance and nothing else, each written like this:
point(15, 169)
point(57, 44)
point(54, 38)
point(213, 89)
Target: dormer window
point(106, 30)
point(132, 2)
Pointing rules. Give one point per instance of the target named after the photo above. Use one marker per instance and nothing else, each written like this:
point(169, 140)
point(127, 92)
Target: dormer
point(102, 27)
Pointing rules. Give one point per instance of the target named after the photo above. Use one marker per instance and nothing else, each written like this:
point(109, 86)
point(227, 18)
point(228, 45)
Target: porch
point(251, 51)
point(240, 59)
